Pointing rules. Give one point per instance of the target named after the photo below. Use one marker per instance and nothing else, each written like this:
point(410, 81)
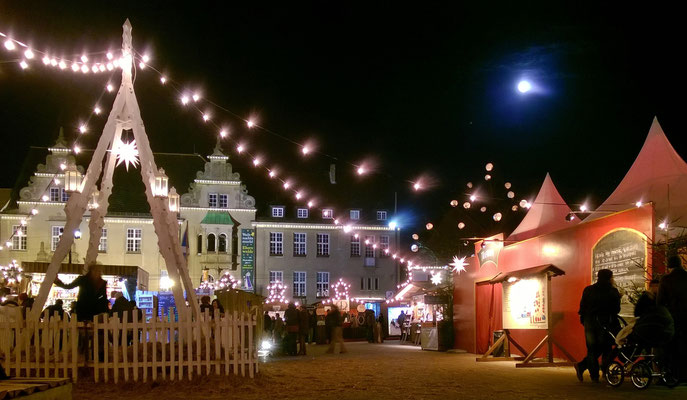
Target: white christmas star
point(436, 278)
point(458, 264)
point(126, 153)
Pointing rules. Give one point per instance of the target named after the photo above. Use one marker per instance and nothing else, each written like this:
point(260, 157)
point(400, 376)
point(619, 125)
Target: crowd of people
point(661, 320)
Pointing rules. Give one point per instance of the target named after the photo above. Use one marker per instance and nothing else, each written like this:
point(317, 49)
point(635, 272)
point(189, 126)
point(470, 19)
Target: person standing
point(303, 328)
point(369, 325)
point(334, 320)
point(382, 328)
point(267, 324)
point(599, 308)
point(92, 297)
point(278, 328)
point(672, 294)
point(291, 317)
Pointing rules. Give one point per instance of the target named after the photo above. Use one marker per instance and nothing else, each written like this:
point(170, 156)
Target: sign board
point(248, 259)
point(429, 299)
point(488, 250)
point(343, 305)
point(524, 303)
point(165, 301)
point(623, 251)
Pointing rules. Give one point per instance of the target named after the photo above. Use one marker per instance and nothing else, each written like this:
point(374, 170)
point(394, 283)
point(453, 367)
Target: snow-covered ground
point(387, 371)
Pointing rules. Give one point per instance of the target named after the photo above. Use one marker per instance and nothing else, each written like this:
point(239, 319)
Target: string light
point(163, 80)
point(96, 110)
point(250, 123)
point(23, 64)
point(109, 87)
point(9, 45)
point(83, 128)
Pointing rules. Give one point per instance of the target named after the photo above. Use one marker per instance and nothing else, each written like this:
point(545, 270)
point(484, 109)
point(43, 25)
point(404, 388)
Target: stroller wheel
point(615, 374)
point(641, 374)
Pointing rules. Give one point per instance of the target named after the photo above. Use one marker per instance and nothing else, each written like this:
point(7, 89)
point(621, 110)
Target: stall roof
point(527, 272)
point(115, 270)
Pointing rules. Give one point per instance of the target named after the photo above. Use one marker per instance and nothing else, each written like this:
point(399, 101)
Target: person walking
point(672, 294)
point(334, 320)
point(303, 328)
point(291, 317)
point(599, 308)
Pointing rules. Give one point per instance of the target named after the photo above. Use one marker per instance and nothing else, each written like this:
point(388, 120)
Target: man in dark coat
point(291, 320)
point(303, 328)
point(599, 310)
point(672, 293)
point(92, 297)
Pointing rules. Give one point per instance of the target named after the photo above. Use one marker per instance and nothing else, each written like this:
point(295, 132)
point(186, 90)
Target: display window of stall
point(114, 283)
point(393, 314)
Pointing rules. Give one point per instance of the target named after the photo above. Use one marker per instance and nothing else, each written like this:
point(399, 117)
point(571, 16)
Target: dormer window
point(302, 213)
point(212, 200)
point(355, 214)
point(327, 213)
point(277, 212)
point(54, 194)
point(223, 201)
point(381, 215)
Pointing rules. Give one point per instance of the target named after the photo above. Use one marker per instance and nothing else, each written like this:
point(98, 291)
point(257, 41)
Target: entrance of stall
point(488, 315)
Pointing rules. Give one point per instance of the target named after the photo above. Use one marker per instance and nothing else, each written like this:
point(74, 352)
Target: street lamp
point(173, 200)
point(161, 187)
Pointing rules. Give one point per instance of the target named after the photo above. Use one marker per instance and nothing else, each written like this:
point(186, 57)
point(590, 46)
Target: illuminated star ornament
point(126, 153)
point(436, 279)
point(458, 264)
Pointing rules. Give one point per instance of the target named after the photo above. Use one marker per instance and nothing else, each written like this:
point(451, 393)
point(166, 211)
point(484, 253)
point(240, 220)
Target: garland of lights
point(341, 290)
point(276, 293)
point(11, 275)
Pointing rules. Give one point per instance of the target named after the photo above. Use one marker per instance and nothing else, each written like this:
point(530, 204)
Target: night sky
point(422, 89)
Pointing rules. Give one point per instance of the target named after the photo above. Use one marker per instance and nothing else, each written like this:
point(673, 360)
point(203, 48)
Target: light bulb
point(23, 64)
point(96, 110)
point(28, 54)
point(163, 80)
point(9, 45)
point(84, 58)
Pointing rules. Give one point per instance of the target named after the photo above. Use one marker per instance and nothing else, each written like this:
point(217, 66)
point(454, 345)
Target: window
point(381, 215)
point(19, 238)
point(102, 245)
point(355, 214)
point(355, 246)
point(369, 246)
point(212, 199)
point(133, 240)
point(199, 244)
point(384, 245)
point(222, 246)
point(376, 283)
point(212, 242)
point(298, 284)
point(223, 201)
point(65, 195)
point(276, 277)
point(323, 244)
point(276, 243)
point(323, 284)
point(369, 283)
point(302, 213)
point(56, 234)
point(299, 244)
point(54, 194)
point(362, 283)
point(327, 213)
point(278, 212)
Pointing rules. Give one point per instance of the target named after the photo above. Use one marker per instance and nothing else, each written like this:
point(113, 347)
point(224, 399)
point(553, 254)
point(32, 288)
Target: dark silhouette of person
point(92, 297)
point(599, 310)
point(672, 293)
point(291, 321)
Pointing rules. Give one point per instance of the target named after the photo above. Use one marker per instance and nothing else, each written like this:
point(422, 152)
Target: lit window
point(355, 214)
point(133, 240)
point(278, 212)
point(327, 213)
point(276, 277)
point(54, 194)
point(302, 213)
point(102, 245)
point(381, 215)
point(323, 284)
point(19, 238)
point(299, 244)
point(322, 244)
point(276, 243)
point(384, 245)
point(56, 234)
point(212, 200)
point(369, 246)
point(355, 246)
point(299, 284)
point(223, 201)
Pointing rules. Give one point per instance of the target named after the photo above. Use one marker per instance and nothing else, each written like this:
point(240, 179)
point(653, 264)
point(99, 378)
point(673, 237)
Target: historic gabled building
point(301, 247)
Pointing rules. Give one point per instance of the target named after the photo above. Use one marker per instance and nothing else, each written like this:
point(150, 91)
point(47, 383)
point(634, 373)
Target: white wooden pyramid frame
point(125, 115)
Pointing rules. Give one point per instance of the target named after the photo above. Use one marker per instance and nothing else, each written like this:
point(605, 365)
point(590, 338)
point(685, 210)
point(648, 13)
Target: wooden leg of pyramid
point(97, 221)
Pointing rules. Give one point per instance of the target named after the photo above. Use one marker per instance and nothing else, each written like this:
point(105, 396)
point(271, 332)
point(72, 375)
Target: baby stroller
point(634, 354)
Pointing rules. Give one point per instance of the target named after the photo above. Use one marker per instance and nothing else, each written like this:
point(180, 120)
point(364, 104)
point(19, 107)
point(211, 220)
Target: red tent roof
point(658, 175)
point(546, 215)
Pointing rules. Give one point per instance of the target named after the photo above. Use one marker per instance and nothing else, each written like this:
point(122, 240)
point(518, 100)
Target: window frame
point(382, 215)
point(323, 247)
point(55, 239)
point(300, 286)
point(276, 246)
point(64, 195)
point(135, 239)
point(220, 237)
point(327, 213)
point(322, 286)
point(369, 248)
point(277, 212)
point(355, 241)
point(102, 243)
point(223, 198)
point(275, 274)
point(302, 213)
point(211, 243)
point(213, 200)
point(54, 194)
point(354, 214)
point(384, 244)
point(19, 242)
point(300, 247)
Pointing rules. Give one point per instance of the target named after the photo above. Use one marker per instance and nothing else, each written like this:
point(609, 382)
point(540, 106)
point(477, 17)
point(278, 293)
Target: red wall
point(568, 249)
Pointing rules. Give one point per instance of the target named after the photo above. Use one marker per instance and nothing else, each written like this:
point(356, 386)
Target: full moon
point(524, 86)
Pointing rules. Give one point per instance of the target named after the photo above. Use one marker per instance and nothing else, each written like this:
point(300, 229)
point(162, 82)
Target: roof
point(546, 215)
point(658, 175)
point(528, 272)
point(218, 218)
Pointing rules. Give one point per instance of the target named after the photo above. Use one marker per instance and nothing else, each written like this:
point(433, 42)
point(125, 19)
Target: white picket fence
point(131, 350)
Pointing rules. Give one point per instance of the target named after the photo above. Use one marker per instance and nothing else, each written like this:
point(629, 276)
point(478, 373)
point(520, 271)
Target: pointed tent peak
point(546, 215)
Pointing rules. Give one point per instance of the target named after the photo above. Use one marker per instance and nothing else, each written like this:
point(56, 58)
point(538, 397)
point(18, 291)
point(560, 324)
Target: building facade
point(219, 230)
